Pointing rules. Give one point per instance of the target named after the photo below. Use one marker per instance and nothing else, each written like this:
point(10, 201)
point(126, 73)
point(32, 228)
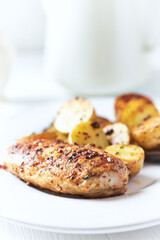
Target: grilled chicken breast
point(66, 168)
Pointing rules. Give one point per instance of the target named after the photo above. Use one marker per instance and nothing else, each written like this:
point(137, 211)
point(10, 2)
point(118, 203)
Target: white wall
point(23, 22)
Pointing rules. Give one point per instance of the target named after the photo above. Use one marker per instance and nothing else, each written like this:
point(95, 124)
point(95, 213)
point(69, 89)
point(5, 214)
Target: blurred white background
point(23, 25)
point(23, 22)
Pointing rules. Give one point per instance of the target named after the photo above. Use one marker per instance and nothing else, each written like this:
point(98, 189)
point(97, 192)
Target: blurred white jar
point(5, 63)
point(96, 47)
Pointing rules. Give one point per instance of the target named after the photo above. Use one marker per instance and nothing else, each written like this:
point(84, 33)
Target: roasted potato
point(103, 121)
point(88, 133)
point(59, 135)
point(123, 100)
point(62, 136)
point(117, 133)
point(136, 111)
point(147, 134)
point(72, 113)
point(131, 155)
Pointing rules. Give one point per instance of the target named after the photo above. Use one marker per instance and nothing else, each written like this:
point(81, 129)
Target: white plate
point(138, 208)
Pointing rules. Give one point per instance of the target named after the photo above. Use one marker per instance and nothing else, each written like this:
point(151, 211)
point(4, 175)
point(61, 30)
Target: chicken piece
point(66, 168)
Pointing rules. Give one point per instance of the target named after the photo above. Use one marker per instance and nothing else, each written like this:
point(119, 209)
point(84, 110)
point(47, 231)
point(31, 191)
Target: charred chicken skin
point(66, 168)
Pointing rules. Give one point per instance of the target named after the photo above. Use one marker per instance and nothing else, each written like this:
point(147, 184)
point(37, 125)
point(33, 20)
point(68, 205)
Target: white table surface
point(27, 70)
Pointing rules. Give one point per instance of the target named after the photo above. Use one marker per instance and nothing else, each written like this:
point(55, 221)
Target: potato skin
point(147, 134)
point(122, 100)
point(136, 111)
point(59, 135)
point(131, 155)
point(103, 121)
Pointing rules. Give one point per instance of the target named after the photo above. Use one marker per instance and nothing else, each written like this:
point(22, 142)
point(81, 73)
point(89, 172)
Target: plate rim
point(127, 228)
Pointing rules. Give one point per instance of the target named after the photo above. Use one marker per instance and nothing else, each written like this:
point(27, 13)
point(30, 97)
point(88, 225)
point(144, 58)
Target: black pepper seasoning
point(95, 125)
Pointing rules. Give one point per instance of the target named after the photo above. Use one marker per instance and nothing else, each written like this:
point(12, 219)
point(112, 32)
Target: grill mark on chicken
point(66, 168)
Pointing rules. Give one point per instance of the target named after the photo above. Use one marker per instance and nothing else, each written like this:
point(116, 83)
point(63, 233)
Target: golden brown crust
point(67, 168)
point(147, 134)
point(136, 111)
point(122, 100)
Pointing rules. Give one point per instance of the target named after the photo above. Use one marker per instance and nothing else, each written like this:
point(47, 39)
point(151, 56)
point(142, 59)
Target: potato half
point(136, 111)
point(88, 133)
point(131, 155)
point(147, 134)
point(72, 113)
point(122, 100)
point(117, 133)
